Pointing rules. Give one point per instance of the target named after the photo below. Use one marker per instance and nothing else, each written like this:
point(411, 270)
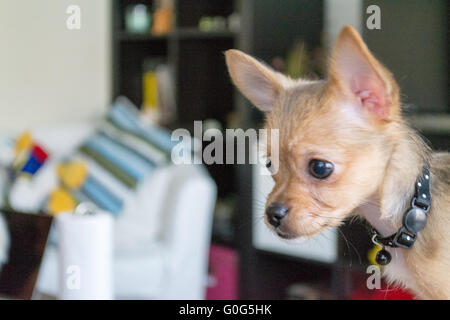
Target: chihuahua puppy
point(346, 150)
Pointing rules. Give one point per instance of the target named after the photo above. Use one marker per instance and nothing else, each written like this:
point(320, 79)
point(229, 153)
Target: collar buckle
point(404, 239)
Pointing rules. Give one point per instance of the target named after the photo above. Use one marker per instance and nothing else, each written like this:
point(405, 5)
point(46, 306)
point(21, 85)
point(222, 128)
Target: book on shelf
point(158, 91)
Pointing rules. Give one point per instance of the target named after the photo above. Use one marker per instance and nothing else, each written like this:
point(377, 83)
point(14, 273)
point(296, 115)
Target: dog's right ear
point(258, 83)
point(360, 76)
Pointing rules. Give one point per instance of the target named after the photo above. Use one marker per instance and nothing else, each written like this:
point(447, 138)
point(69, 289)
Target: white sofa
point(162, 236)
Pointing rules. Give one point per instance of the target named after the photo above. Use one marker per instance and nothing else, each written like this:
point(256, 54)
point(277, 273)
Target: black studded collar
point(414, 220)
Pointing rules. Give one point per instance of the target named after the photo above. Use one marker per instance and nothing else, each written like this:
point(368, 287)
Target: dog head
point(335, 135)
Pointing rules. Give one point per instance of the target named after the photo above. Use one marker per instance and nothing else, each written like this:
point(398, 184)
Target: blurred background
point(89, 94)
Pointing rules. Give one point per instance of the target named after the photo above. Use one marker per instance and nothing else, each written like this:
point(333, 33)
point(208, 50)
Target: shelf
point(431, 123)
point(129, 36)
point(223, 241)
point(181, 33)
point(195, 33)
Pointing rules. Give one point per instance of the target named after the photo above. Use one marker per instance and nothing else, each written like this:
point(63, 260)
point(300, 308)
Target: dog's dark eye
point(268, 163)
point(320, 169)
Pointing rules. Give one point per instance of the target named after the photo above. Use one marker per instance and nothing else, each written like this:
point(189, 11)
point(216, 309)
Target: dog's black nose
point(275, 213)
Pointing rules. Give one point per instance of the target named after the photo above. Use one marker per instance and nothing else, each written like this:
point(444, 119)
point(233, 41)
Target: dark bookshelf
point(202, 88)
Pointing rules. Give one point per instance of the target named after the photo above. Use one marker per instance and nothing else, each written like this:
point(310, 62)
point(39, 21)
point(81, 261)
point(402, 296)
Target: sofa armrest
point(187, 225)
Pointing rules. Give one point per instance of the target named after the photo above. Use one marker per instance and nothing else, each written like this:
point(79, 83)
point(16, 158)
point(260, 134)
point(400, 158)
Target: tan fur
point(377, 159)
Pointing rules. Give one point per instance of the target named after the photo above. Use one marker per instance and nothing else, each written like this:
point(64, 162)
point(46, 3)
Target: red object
point(39, 154)
point(223, 274)
point(384, 293)
point(392, 293)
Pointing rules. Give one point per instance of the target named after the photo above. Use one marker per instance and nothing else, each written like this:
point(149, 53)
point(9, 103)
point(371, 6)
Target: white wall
point(49, 74)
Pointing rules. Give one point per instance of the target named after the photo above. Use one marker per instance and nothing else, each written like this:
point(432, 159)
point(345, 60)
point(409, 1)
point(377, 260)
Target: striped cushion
point(121, 154)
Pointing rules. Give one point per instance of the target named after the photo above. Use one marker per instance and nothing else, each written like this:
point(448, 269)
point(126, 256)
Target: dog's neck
point(385, 208)
point(370, 210)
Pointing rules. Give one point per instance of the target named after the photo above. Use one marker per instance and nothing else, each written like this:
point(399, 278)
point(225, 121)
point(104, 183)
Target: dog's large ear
point(356, 72)
point(258, 83)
